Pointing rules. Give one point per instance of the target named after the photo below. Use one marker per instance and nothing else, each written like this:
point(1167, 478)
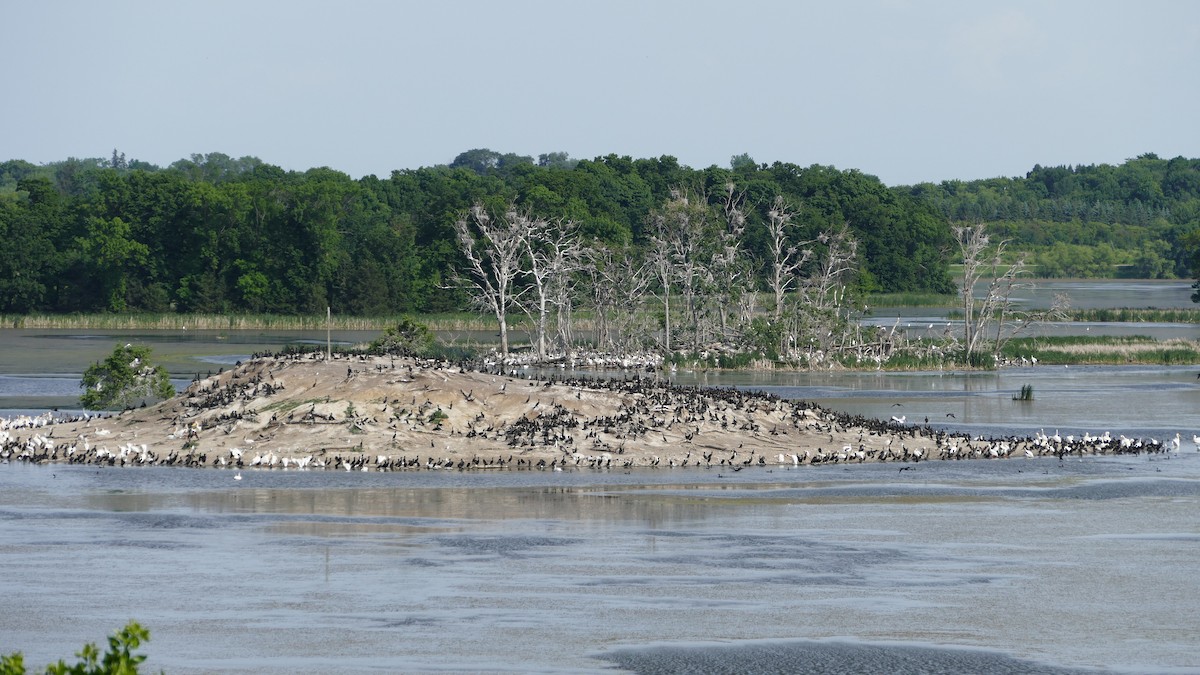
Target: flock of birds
point(654, 425)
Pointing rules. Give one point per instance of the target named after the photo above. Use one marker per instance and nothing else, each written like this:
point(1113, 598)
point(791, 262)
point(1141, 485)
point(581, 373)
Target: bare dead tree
point(563, 300)
point(493, 249)
point(728, 271)
point(984, 263)
point(973, 241)
point(616, 281)
point(821, 313)
point(601, 294)
point(552, 253)
point(677, 253)
point(787, 259)
point(660, 262)
point(825, 290)
point(838, 263)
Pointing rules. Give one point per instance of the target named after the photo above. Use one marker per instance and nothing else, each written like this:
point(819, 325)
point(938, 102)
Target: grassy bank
point(1081, 350)
point(166, 321)
point(1136, 315)
point(1066, 350)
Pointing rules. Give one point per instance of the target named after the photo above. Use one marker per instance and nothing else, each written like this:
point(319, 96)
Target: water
point(1112, 293)
point(991, 567)
point(1026, 566)
point(1142, 401)
point(40, 369)
point(1092, 294)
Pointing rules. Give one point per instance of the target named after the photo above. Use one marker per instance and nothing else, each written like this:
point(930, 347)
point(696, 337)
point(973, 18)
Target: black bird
point(951, 415)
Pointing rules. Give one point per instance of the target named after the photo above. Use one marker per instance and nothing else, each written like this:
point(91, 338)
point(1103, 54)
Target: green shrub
point(118, 660)
point(123, 379)
point(406, 338)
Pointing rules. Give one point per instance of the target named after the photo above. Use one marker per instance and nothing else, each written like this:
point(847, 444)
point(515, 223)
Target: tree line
point(218, 234)
point(1138, 219)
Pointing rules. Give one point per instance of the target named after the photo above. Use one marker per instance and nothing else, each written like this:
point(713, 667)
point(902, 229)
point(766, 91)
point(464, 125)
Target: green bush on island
point(120, 658)
point(406, 338)
point(123, 379)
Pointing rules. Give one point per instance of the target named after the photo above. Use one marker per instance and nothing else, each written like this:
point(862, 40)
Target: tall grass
point(449, 321)
point(166, 321)
point(1136, 315)
point(1105, 350)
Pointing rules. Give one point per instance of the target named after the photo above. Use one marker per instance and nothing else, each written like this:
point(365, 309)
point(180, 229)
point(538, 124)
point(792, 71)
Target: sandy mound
point(387, 414)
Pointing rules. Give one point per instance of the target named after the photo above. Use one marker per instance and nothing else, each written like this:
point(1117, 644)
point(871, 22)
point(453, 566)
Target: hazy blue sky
point(905, 90)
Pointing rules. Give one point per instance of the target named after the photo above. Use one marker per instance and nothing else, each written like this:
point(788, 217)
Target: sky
point(908, 91)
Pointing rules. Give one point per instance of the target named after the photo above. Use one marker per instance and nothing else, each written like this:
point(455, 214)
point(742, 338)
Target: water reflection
point(442, 572)
point(402, 505)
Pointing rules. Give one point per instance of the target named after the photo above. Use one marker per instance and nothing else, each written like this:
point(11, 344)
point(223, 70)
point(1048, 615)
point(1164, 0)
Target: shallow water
point(1044, 566)
point(974, 566)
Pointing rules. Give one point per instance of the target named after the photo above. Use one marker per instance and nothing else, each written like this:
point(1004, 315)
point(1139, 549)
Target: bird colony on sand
point(362, 413)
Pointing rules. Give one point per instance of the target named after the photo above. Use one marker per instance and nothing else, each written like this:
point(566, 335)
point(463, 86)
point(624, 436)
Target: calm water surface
point(1014, 566)
point(991, 567)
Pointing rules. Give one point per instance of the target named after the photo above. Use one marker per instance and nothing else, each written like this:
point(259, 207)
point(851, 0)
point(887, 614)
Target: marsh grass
point(189, 322)
point(437, 322)
point(1108, 350)
point(442, 322)
point(1135, 315)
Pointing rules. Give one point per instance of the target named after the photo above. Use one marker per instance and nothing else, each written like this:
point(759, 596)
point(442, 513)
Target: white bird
point(237, 476)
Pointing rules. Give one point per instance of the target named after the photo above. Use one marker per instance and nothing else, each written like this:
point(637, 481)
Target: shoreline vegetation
point(383, 413)
point(902, 354)
point(466, 321)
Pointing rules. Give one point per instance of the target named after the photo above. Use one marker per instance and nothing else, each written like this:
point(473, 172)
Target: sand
point(381, 413)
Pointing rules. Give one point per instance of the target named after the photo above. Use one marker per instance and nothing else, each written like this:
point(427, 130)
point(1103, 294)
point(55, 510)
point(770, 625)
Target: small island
point(356, 412)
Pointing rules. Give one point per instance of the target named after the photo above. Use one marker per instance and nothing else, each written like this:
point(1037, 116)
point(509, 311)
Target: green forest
point(217, 234)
